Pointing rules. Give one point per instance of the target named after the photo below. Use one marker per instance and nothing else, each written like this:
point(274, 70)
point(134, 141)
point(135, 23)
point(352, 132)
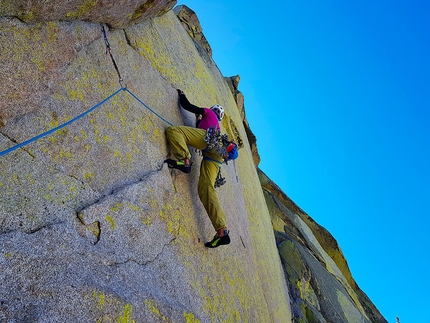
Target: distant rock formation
point(93, 226)
point(191, 24)
point(321, 286)
point(233, 84)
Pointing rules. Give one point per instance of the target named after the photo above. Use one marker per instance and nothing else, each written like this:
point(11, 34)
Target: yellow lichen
point(126, 317)
point(51, 31)
point(190, 318)
point(38, 61)
point(84, 135)
point(82, 9)
point(94, 228)
point(111, 221)
point(132, 206)
point(101, 300)
point(28, 16)
point(88, 175)
point(116, 207)
point(119, 155)
point(68, 154)
point(154, 309)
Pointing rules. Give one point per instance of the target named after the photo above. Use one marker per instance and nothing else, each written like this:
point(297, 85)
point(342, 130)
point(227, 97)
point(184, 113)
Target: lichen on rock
point(94, 227)
point(117, 14)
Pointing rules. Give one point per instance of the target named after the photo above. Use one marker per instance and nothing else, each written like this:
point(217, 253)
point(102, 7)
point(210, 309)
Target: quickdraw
point(220, 181)
point(108, 50)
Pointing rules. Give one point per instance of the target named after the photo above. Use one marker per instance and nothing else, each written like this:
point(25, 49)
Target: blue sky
point(338, 95)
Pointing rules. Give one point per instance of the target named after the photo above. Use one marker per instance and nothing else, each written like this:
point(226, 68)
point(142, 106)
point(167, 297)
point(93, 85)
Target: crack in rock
point(140, 263)
point(122, 219)
point(128, 40)
point(16, 143)
point(35, 230)
point(114, 191)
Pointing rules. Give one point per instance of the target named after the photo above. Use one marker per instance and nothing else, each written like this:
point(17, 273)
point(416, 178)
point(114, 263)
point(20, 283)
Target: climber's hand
point(180, 92)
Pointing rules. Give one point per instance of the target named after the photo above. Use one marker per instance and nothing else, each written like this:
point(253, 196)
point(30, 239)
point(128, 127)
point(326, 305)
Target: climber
point(181, 136)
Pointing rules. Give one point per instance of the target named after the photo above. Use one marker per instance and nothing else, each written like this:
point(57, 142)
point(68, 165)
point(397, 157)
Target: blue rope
point(123, 88)
point(5, 152)
point(60, 126)
point(148, 107)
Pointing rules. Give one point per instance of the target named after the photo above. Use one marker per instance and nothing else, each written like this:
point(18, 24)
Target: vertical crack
point(16, 143)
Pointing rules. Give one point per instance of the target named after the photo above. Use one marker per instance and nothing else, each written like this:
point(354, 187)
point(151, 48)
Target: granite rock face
point(321, 285)
point(93, 226)
point(115, 13)
point(233, 84)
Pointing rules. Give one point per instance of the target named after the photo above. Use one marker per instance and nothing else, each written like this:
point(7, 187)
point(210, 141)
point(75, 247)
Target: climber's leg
point(209, 198)
point(179, 137)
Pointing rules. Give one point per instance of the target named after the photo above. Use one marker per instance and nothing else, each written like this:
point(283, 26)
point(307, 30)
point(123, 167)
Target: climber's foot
point(219, 241)
point(178, 164)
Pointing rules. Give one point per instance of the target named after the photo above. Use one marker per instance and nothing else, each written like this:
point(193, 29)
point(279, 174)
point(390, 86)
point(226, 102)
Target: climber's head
point(219, 111)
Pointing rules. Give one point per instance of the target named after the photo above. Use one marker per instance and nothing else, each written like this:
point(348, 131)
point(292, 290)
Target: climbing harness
point(108, 50)
point(212, 160)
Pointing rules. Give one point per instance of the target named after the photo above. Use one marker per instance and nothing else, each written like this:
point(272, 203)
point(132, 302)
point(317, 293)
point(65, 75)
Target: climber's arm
point(188, 106)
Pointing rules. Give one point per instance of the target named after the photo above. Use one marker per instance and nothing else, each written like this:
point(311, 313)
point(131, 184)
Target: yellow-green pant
point(181, 136)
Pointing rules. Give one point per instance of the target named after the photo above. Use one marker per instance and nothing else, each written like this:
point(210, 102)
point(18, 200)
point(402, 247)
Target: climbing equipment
point(222, 145)
point(143, 103)
point(211, 138)
point(220, 181)
point(108, 50)
point(2, 153)
point(123, 88)
point(5, 152)
point(212, 160)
